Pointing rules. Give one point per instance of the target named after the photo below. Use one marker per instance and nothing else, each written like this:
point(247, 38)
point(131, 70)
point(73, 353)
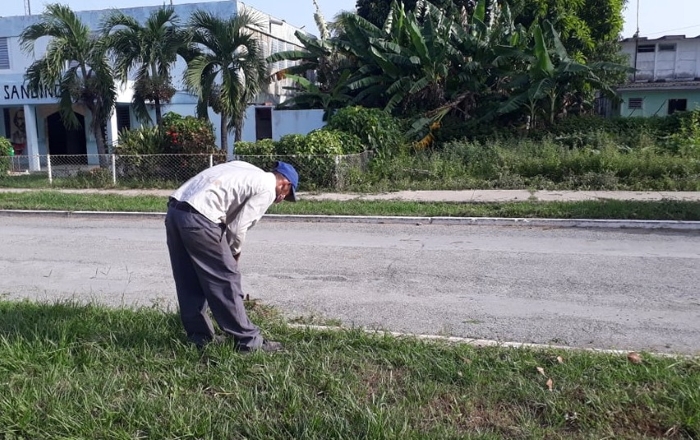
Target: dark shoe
point(267, 346)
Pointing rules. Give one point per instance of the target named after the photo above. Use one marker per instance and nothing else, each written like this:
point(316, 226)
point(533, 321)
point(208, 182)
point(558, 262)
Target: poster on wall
point(18, 130)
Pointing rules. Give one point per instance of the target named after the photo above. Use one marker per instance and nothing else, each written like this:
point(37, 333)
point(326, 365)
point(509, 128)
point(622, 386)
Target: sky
point(656, 17)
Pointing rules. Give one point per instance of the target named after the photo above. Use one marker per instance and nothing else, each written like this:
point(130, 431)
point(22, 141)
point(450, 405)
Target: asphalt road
point(611, 289)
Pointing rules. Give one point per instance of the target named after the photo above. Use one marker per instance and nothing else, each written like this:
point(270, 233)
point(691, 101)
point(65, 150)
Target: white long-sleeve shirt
point(235, 193)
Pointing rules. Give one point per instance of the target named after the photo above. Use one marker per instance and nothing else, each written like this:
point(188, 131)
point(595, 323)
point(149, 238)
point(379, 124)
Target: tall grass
point(546, 164)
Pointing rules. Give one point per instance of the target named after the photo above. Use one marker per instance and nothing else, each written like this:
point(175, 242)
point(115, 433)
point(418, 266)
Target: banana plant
point(547, 81)
point(310, 95)
point(405, 62)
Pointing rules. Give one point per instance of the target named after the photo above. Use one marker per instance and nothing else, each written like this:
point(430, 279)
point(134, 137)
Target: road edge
point(675, 225)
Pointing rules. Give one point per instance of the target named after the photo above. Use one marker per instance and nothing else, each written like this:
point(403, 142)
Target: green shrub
point(142, 140)
point(6, 151)
point(685, 141)
point(132, 150)
point(291, 144)
point(332, 142)
point(315, 154)
point(376, 129)
point(263, 147)
point(188, 135)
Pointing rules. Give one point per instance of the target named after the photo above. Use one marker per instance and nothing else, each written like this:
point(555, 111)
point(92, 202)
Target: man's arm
point(252, 211)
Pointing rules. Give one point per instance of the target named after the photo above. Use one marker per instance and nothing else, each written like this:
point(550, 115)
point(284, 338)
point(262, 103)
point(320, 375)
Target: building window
point(677, 105)
point(635, 103)
point(123, 118)
point(4, 54)
point(667, 47)
point(646, 48)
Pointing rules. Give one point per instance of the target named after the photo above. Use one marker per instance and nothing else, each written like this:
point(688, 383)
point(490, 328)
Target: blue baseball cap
point(290, 174)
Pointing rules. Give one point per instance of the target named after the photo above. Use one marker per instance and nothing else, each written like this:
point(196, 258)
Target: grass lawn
point(610, 209)
point(83, 371)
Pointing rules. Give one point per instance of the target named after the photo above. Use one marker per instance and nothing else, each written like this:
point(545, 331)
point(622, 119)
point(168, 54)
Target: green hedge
point(376, 129)
point(187, 137)
point(6, 153)
point(314, 154)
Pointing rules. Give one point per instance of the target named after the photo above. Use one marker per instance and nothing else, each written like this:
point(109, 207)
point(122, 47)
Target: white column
point(32, 138)
point(112, 131)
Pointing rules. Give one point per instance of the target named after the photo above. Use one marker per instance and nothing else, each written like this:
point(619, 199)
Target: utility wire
point(673, 30)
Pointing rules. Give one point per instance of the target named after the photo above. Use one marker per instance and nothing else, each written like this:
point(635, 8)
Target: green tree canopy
point(151, 49)
point(228, 69)
point(588, 28)
point(75, 59)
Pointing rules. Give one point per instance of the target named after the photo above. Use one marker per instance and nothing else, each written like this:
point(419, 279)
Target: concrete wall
point(655, 102)
point(668, 58)
point(295, 121)
point(284, 122)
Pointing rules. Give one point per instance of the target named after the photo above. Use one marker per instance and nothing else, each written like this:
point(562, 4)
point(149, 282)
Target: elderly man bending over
point(206, 224)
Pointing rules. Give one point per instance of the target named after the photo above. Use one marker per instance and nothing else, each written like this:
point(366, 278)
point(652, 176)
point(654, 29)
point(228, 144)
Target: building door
point(263, 123)
point(63, 141)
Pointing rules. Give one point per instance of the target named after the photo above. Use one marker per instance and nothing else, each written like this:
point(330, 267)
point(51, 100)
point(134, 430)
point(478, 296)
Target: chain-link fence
point(171, 170)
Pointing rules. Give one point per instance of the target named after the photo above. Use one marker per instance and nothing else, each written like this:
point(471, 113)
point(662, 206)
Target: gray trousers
point(206, 273)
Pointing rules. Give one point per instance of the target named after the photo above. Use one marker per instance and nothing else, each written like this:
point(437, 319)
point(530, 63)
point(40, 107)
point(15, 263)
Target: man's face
point(283, 189)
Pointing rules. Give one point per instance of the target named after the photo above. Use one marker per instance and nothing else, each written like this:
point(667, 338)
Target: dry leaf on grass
point(550, 384)
point(560, 359)
point(635, 358)
point(541, 371)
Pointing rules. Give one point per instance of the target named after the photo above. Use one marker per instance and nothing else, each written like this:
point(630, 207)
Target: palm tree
point(76, 60)
point(229, 69)
point(151, 48)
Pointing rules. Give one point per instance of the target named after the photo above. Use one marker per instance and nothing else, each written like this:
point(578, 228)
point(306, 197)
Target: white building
point(666, 77)
point(31, 119)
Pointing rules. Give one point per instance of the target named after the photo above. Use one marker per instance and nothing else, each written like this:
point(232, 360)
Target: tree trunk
point(101, 144)
point(238, 132)
point(552, 108)
point(159, 115)
point(96, 127)
point(224, 131)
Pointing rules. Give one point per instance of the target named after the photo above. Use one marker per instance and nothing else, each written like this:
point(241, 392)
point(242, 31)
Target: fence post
point(336, 173)
point(211, 160)
point(114, 170)
point(34, 162)
point(48, 168)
